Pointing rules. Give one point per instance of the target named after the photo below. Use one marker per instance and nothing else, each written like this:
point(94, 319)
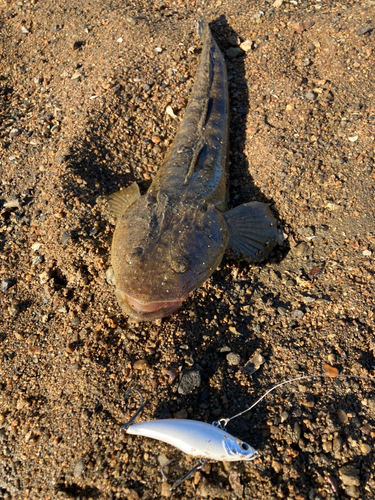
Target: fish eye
point(134, 255)
point(244, 446)
point(180, 265)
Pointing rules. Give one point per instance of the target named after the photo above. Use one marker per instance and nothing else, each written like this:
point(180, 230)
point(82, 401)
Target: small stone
point(365, 448)
point(352, 492)
point(327, 446)
point(276, 466)
point(233, 359)
point(43, 277)
point(67, 235)
point(254, 363)
point(282, 310)
point(182, 414)
point(155, 139)
point(349, 475)
point(119, 40)
point(246, 45)
point(234, 40)
point(141, 364)
point(35, 246)
point(75, 321)
point(5, 284)
point(337, 445)
point(298, 314)
point(367, 253)
point(79, 469)
point(308, 300)
point(364, 30)
point(162, 459)
point(190, 379)
point(353, 138)
point(164, 491)
point(14, 132)
point(284, 416)
point(301, 249)
point(234, 481)
point(24, 30)
point(342, 416)
point(233, 52)
point(110, 277)
point(310, 96)
point(77, 45)
point(37, 260)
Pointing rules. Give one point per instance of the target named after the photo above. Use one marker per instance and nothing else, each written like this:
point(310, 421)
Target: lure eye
point(245, 446)
point(180, 265)
point(134, 255)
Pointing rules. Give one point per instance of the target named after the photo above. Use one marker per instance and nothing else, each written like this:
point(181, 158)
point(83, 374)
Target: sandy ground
point(84, 88)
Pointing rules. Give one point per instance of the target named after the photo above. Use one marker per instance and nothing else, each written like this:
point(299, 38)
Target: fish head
point(160, 253)
point(237, 450)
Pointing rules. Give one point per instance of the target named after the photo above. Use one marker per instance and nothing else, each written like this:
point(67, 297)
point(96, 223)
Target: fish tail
point(202, 28)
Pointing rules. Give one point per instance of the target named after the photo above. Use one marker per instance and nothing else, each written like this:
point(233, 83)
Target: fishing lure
point(207, 441)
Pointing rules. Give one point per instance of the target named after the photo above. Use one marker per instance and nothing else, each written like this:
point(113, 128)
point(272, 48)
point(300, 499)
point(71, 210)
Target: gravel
point(80, 139)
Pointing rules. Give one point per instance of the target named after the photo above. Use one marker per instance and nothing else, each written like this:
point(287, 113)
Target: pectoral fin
point(252, 230)
point(120, 201)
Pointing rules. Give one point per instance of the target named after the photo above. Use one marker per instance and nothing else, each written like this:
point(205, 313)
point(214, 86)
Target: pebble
point(234, 40)
point(298, 314)
point(5, 284)
point(276, 466)
point(308, 300)
point(349, 475)
point(365, 448)
point(246, 45)
point(310, 96)
point(190, 379)
point(67, 235)
point(164, 491)
point(301, 249)
point(37, 260)
point(282, 310)
point(254, 363)
point(14, 132)
point(79, 469)
point(354, 138)
point(367, 253)
point(233, 52)
point(43, 277)
point(233, 359)
point(352, 492)
point(141, 364)
point(234, 481)
point(342, 416)
point(75, 321)
point(337, 445)
point(110, 277)
point(364, 30)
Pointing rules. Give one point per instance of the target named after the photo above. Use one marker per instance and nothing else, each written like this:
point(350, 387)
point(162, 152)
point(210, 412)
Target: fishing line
point(223, 422)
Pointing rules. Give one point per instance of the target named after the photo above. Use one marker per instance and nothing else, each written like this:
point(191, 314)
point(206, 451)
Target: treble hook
point(178, 482)
point(126, 426)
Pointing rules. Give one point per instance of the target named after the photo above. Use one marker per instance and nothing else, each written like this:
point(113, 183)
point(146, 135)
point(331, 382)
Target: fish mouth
point(143, 311)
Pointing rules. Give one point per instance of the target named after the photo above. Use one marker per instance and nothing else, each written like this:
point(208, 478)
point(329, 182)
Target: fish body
point(169, 241)
point(195, 438)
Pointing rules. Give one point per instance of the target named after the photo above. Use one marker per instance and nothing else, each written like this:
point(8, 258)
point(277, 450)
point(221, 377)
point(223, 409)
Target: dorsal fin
point(120, 201)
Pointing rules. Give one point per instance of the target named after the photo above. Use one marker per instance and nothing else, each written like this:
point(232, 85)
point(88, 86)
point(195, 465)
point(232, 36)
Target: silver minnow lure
point(197, 439)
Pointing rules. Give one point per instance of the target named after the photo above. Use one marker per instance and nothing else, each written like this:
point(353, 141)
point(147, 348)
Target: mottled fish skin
point(167, 242)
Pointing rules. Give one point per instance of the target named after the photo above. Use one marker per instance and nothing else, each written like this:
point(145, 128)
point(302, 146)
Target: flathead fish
point(169, 241)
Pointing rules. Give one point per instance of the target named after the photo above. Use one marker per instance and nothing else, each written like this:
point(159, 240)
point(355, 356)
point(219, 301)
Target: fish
point(196, 438)
point(167, 242)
